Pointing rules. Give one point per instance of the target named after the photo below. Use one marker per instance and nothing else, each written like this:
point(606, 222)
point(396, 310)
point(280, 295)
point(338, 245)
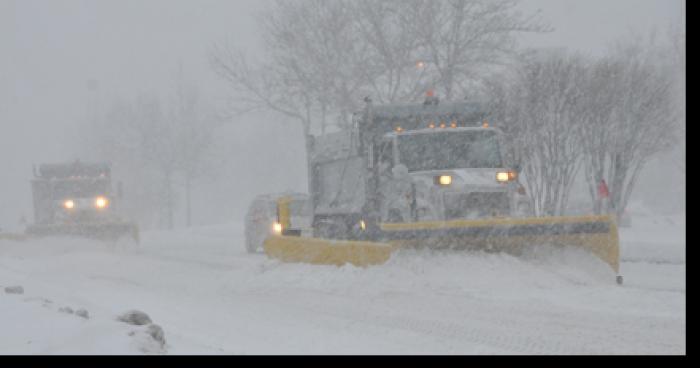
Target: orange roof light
point(442, 124)
point(485, 124)
point(453, 124)
point(431, 125)
point(399, 129)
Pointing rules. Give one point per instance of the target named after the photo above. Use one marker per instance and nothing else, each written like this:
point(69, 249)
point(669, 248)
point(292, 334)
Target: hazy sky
point(49, 49)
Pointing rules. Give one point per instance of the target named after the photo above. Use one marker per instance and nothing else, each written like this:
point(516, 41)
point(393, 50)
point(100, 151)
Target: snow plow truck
point(421, 175)
point(76, 199)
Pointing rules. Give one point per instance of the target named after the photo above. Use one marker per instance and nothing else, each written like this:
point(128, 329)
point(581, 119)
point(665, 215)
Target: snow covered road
point(211, 297)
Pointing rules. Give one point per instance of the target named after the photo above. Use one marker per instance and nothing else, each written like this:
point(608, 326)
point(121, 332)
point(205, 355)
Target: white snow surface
point(211, 297)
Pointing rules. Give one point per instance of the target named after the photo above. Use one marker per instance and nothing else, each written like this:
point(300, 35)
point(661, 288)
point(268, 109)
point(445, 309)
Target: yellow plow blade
point(596, 234)
point(97, 230)
point(328, 252)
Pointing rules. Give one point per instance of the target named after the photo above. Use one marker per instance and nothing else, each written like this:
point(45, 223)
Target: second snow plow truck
point(422, 175)
point(76, 199)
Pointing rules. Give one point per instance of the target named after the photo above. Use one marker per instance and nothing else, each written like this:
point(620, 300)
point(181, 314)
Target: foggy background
point(59, 60)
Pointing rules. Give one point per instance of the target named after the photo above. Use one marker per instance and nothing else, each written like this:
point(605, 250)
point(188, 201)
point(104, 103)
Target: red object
point(603, 191)
point(430, 93)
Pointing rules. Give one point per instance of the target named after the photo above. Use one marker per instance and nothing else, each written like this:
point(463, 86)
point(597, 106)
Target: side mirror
point(120, 191)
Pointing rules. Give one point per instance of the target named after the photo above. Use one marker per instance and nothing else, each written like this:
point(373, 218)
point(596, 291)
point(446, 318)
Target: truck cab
point(449, 173)
point(403, 163)
point(77, 199)
point(72, 193)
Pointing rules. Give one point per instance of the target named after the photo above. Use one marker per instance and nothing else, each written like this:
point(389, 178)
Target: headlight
point(504, 176)
point(68, 204)
point(443, 180)
point(101, 202)
point(277, 228)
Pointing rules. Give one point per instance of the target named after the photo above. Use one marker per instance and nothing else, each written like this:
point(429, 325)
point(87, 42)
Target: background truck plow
point(77, 199)
point(100, 231)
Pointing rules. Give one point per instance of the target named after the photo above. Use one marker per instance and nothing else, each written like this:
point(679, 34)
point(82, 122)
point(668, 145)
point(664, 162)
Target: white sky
point(49, 49)
point(588, 25)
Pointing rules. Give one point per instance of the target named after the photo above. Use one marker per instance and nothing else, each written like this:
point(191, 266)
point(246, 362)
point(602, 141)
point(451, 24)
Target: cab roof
point(410, 117)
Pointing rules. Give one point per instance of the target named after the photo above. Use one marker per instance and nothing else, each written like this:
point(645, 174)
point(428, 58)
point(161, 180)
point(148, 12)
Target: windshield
point(445, 150)
point(79, 188)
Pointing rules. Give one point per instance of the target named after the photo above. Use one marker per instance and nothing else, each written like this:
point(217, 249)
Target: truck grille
point(476, 205)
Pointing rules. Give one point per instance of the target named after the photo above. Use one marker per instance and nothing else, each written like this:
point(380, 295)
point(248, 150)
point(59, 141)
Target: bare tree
point(538, 110)
point(323, 56)
point(309, 62)
point(193, 138)
point(136, 137)
point(630, 116)
point(395, 68)
point(159, 148)
point(463, 38)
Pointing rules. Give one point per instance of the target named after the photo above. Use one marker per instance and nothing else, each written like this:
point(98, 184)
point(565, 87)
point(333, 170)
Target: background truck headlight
point(101, 202)
point(68, 204)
